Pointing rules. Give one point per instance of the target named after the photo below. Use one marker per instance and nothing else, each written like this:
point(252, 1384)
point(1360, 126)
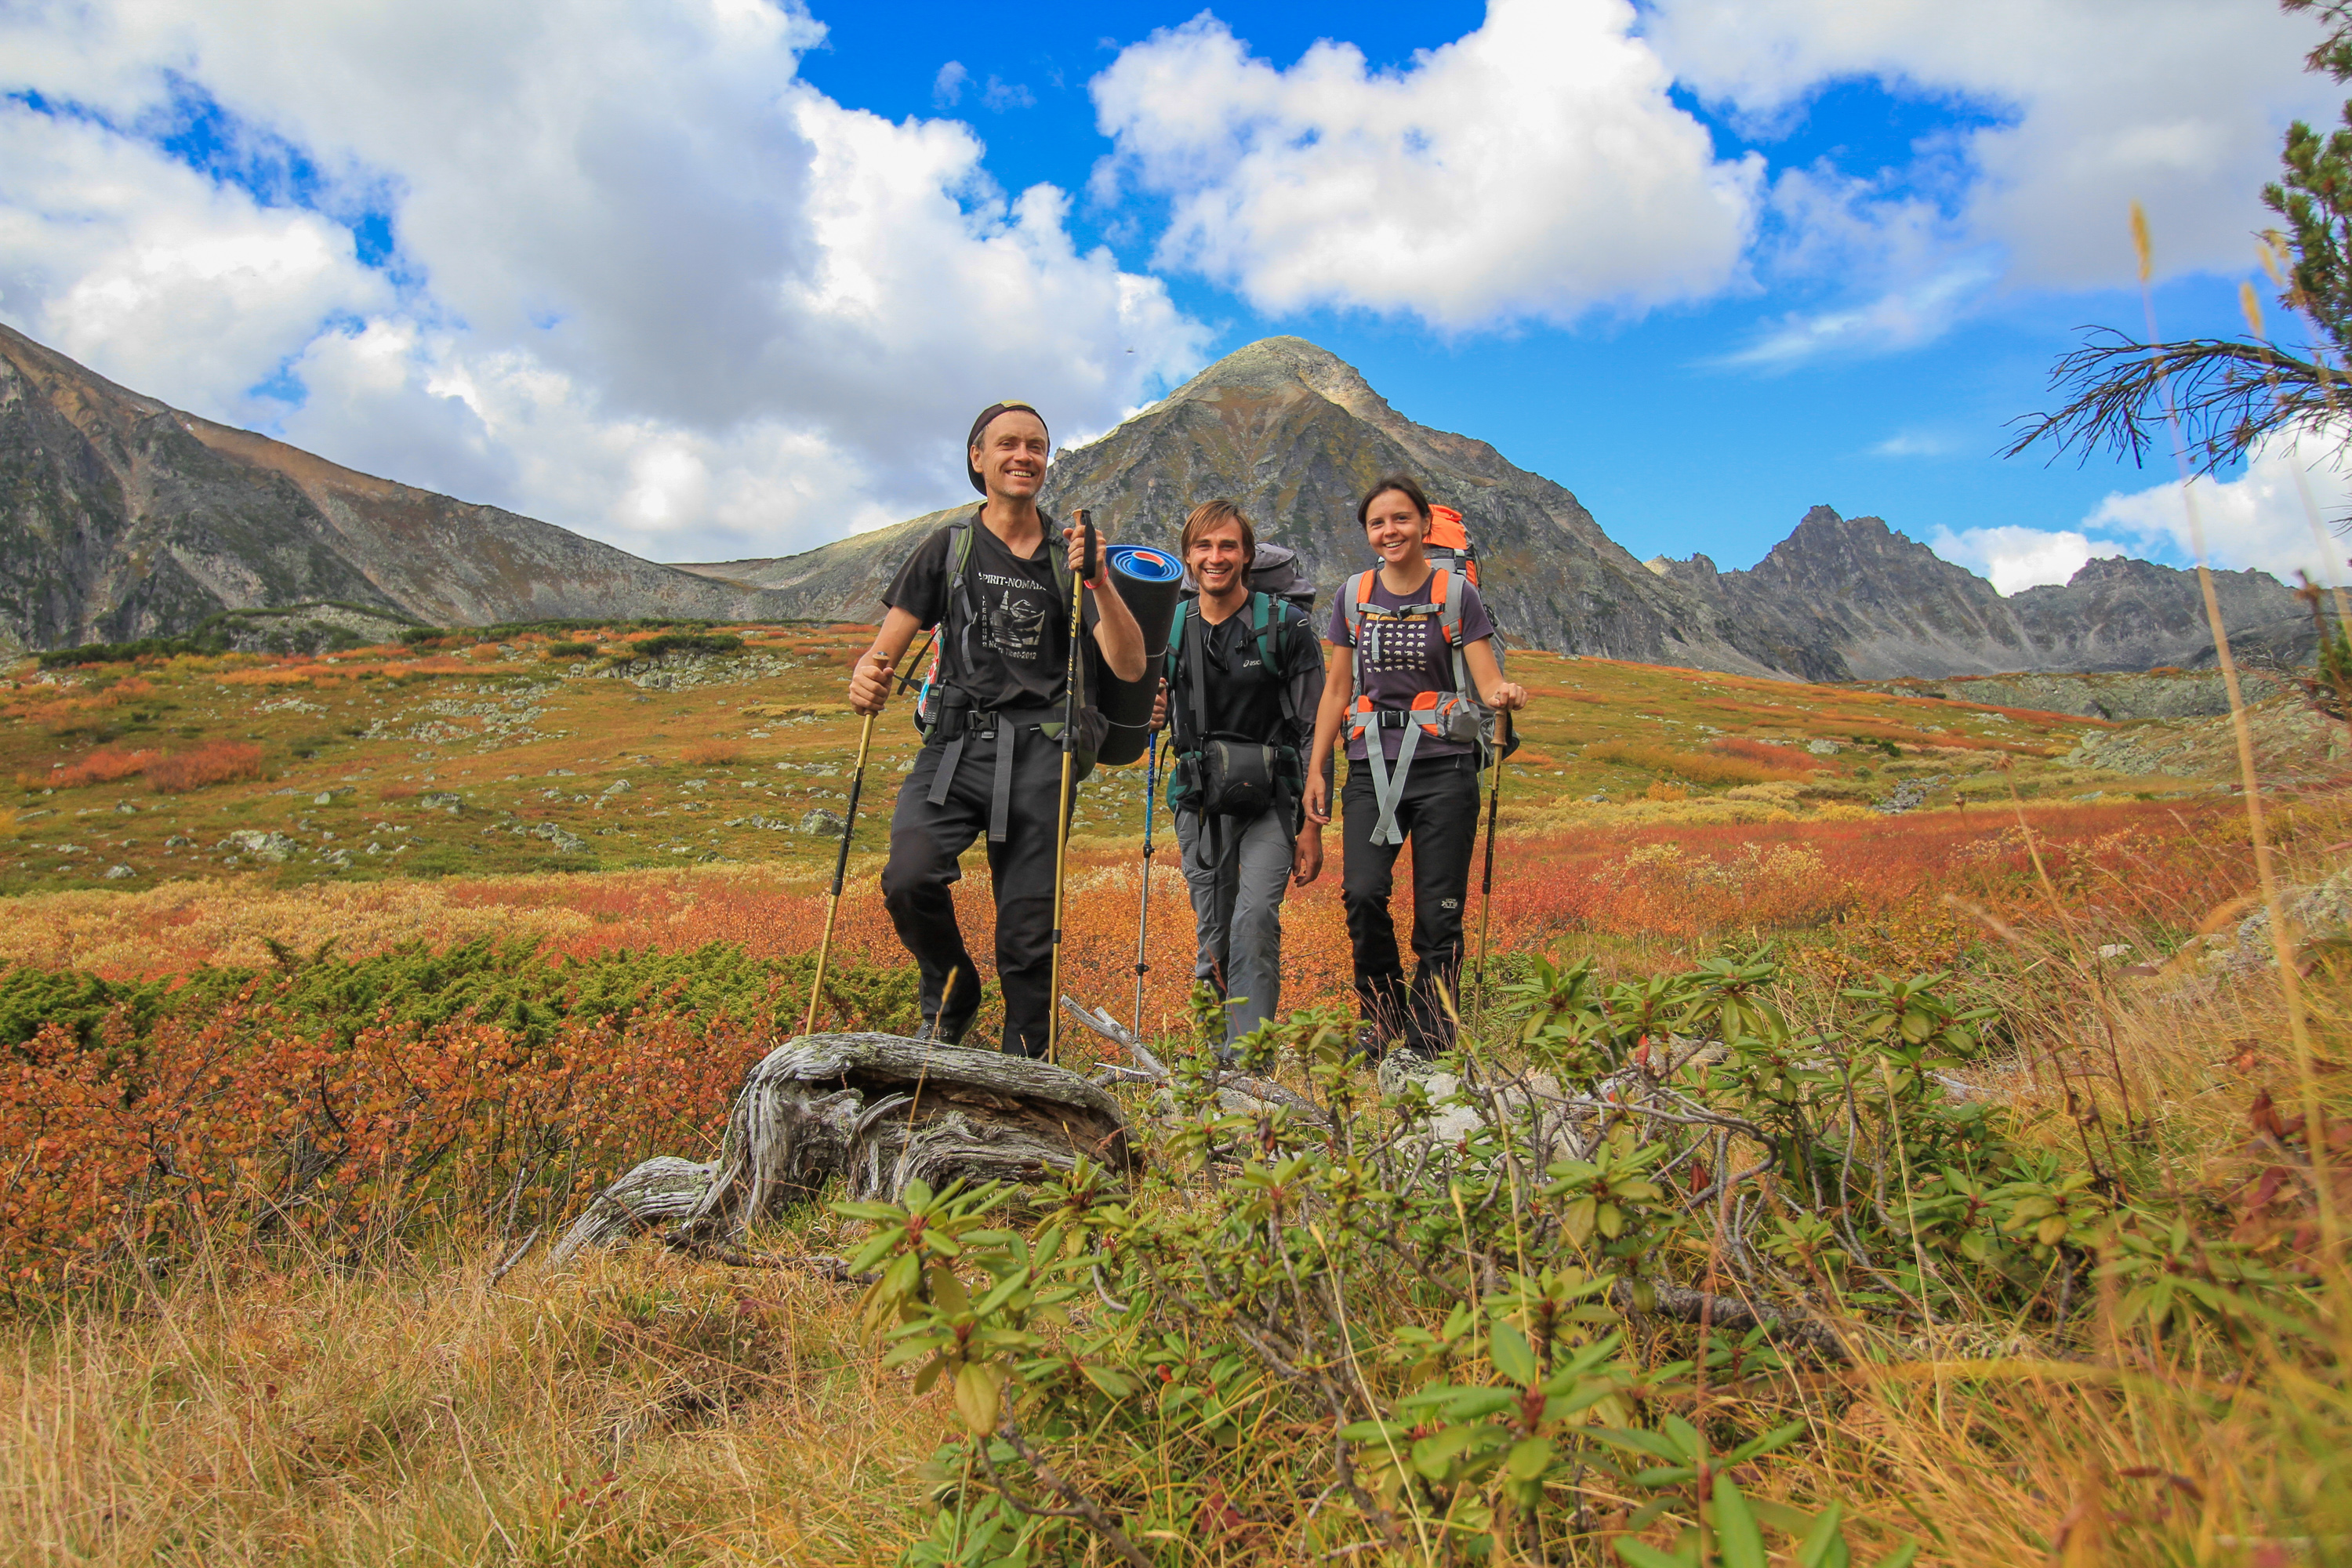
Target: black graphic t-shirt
point(1016, 652)
point(1242, 699)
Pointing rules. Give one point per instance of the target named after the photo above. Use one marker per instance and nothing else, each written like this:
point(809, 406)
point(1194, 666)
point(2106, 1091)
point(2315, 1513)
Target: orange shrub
point(105, 765)
point(253, 1125)
point(215, 762)
point(282, 675)
point(713, 753)
point(1788, 759)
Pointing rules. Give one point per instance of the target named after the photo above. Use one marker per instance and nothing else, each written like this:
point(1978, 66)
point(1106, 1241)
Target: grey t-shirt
point(1413, 658)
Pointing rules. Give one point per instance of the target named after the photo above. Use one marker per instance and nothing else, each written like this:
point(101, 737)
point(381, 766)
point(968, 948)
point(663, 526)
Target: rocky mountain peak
point(1272, 365)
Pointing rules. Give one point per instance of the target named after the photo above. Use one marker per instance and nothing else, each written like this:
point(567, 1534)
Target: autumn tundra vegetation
point(1885, 1131)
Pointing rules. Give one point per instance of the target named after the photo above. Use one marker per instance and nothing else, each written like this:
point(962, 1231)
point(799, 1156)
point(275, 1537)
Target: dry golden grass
point(636, 1410)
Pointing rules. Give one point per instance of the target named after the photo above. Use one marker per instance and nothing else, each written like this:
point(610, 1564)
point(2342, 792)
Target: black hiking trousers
point(1438, 816)
point(927, 844)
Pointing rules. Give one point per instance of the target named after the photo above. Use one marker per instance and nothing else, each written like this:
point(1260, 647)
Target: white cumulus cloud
point(1535, 168)
point(646, 283)
point(2263, 518)
point(2092, 104)
point(2013, 557)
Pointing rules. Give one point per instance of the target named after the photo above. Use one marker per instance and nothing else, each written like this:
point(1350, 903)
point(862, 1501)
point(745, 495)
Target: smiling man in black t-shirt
point(990, 761)
point(1242, 666)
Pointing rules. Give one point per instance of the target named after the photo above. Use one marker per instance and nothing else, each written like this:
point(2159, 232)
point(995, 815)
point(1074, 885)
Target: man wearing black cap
point(997, 583)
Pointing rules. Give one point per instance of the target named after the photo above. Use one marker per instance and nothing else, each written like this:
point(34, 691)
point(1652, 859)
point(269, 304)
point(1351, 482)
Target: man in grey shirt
point(1244, 674)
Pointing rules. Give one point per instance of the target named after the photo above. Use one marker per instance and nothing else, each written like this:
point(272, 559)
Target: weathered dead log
point(876, 1110)
point(1239, 1094)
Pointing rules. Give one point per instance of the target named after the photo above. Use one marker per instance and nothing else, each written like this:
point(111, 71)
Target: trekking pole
point(841, 859)
point(1143, 914)
point(840, 869)
point(1069, 763)
point(1486, 879)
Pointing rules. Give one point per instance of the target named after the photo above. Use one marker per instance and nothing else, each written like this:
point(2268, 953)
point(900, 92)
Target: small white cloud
point(2277, 515)
point(1001, 96)
point(2013, 558)
point(947, 88)
point(1537, 168)
point(1915, 443)
point(1900, 319)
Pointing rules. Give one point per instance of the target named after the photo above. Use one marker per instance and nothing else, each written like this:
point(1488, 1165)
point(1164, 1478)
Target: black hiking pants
point(927, 844)
point(1438, 816)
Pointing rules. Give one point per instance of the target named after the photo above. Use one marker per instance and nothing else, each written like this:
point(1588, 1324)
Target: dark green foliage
point(569, 649)
point(2332, 56)
point(510, 984)
point(1664, 1188)
point(124, 652)
point(75, 1001)
point(687, 641)
point(231, 631)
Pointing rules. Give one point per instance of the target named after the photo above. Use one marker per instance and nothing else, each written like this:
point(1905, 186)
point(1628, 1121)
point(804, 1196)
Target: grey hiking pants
point(1237, 907)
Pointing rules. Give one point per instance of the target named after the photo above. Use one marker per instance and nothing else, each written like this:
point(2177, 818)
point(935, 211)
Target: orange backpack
point(1449, 543)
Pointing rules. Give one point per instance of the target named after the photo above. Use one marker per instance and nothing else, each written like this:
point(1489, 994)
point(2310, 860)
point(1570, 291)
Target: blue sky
point(716, 279)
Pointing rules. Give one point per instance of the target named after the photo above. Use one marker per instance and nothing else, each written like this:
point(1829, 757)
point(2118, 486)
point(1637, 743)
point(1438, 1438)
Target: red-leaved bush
point(215, 762)
point(250, 1126)
point(106, 766)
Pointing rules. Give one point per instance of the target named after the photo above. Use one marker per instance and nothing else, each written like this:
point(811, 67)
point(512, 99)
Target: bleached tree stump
point(879, 1112)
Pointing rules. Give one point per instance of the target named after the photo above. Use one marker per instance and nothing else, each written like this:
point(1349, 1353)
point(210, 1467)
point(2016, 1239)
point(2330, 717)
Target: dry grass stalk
point(2283, 941)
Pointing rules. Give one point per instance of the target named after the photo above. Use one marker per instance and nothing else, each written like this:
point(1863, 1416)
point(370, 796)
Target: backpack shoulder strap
point(957, 616)
point(1449, 619)
point(1356, 596)
point(1266, 626)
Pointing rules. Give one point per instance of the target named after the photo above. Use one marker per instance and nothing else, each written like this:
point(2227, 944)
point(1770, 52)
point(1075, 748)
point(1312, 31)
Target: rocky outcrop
point(2155, 694)
point(122, 517)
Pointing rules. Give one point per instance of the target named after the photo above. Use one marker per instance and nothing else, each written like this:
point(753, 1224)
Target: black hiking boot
point(949, 1034)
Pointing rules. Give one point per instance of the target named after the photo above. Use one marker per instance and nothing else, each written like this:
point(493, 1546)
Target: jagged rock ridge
point(122, 517)
point(1850, 598)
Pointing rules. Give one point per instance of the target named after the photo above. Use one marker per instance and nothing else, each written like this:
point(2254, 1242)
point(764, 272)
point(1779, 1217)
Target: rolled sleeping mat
point(1149, 580)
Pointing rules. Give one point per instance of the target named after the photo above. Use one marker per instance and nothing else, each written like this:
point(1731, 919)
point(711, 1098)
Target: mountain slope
point(122, 517)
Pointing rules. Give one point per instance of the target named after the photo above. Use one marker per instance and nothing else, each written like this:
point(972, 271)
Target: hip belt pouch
point(1239, 778)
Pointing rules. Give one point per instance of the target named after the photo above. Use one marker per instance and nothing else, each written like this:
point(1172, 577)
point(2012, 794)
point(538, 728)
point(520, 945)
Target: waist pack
point(1219, 774)
point(1232, 776)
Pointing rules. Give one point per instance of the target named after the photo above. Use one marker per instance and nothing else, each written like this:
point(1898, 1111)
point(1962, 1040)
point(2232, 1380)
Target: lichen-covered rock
point(273, 847)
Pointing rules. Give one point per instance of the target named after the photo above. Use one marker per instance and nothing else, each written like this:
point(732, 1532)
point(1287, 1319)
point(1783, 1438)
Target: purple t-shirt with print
point(1414, 659)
